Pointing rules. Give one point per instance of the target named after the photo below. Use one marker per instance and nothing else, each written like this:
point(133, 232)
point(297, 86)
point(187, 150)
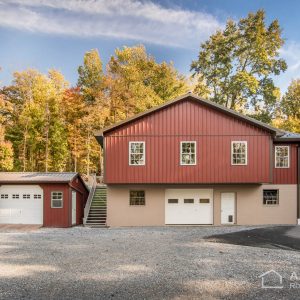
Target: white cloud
point(291, 53)
point(127, 19)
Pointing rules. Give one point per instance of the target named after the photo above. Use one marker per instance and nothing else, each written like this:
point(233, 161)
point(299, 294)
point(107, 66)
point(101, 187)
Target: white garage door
point(21, 204)
point(189, 206)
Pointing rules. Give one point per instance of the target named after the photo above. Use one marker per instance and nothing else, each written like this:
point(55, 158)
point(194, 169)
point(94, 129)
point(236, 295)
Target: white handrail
point(89, 200)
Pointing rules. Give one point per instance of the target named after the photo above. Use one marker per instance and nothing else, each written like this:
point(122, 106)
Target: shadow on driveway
point(277, 237)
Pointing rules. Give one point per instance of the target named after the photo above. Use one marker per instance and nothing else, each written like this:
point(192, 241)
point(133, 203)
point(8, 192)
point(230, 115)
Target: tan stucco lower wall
point(249, 205)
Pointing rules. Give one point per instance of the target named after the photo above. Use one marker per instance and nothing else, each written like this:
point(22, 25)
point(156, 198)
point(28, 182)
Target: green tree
point(137, 82)
point(236, 65)
point(91, 76)
point(289, 109)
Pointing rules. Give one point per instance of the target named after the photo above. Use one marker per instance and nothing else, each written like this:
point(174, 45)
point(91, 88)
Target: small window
point(137, 198)
point(15, 196)
point(37, 196)
point(136, 153)
point(270, 197)
point(4, 196)
point(188, 200)
point(56, 199)
point(282, 156)
point(204, 201)
point(172, 201)
point(239, 153)
point(26, 196)
point(187, 153)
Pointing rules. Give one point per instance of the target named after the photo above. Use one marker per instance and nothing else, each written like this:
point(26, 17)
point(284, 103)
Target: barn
point(47, 199)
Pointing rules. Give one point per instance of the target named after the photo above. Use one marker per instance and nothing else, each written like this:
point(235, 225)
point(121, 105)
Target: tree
point(237, 64)
point(289, 110)
point(136, 82)
point(37, 129)
point(91, 76)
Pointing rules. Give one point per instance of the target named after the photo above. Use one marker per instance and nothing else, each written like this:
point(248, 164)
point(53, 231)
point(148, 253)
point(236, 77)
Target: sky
point(45, 34)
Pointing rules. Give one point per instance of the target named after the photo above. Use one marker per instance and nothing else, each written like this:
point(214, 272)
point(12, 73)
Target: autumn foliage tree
point(235, 67)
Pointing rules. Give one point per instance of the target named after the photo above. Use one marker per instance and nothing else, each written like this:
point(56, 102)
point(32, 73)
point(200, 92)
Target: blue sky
point(46, 34)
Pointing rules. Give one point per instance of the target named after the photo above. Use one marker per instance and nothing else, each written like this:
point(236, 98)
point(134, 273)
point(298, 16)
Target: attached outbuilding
point(48, 199)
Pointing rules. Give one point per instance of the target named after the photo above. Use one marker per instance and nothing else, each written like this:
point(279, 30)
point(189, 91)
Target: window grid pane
point(282, 156)
point(188, 153)
point(137, 198)
point(270, 197)
point(137, 153)
point(239, 153)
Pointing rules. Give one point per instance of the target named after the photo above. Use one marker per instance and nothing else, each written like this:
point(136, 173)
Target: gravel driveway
point(138, 263)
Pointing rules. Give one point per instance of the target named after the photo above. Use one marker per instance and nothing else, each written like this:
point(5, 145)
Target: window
point(270, 197)
point(15, 196)
point(56, 200)
point(137, 198)
point(188, 200)
point(204, 201)
point(172, 201)
point(37, 196)
point(282, 156)
point(4, 196)
point(136, 153)
point(239, 153)
point(187, 153)
point(26, 196)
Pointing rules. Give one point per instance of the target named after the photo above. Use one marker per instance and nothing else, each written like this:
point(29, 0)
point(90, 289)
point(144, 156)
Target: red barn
point(192, 161)
point(48, 199)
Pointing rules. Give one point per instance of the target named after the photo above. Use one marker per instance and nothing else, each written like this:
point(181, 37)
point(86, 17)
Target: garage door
point(189, 206)
point(21, 204)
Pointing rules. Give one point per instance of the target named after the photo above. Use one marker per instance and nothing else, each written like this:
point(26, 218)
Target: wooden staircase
point(98, 209)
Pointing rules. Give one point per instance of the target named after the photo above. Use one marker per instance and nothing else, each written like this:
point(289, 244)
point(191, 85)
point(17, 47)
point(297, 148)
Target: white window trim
point(183, 164)
point(62, 200)
point(246, 160)
point(129, 147)
point(275, 156)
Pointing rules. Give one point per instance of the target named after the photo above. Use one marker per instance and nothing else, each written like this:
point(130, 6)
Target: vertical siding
point(56, 217)
point(162, 132)
point(286, 175)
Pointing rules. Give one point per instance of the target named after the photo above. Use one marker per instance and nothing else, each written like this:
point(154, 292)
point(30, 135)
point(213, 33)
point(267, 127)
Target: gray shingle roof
point(289, 137)
point(36, 177)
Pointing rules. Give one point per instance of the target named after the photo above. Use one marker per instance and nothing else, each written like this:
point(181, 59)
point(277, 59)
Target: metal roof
point(36, 177)
point(289, 137)
point(190, 96)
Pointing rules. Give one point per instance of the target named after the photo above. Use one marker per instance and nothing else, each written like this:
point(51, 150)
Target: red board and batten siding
point(162, 132)
point(287, 175)
point(62, 217)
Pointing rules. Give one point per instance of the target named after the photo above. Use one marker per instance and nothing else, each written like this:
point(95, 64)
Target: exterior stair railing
point(89, 200)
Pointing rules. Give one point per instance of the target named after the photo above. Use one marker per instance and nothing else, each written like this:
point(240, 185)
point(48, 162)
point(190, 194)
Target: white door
point(21, 204)
point(73, 208)
point(227, 208)
point(189, 206)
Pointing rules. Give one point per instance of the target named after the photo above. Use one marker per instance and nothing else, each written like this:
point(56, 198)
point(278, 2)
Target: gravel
point(139, 263)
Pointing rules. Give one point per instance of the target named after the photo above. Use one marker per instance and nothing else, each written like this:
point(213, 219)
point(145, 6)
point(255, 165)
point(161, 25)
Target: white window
point(282, 156)
point(270, 197)
point(187, 153)
point(239, 153)
point(15, 196)
point(4, 196)
point(137, 198)
point(56, 200)
point(26, 196)
point(136, 153)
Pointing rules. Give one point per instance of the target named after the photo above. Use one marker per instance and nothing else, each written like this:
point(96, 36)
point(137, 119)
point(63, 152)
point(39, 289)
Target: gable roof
point(37, 177)
point(191, 97)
